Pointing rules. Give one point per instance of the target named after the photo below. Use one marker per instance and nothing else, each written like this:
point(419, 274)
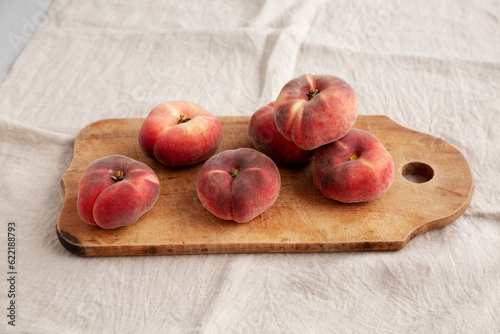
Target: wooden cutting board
point(301, 220)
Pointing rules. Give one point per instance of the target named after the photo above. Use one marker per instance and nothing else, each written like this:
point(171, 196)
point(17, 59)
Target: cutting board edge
point(71, 244)
point(442, 222)
point(68, 242)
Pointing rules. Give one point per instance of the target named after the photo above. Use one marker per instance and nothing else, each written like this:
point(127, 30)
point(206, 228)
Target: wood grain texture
point(301, 220)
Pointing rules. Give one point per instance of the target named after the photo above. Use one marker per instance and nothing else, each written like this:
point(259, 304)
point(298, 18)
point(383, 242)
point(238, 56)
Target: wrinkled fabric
point(431, 66)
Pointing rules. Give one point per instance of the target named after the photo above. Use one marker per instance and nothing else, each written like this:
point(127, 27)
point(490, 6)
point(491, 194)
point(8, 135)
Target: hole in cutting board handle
point(417, 172)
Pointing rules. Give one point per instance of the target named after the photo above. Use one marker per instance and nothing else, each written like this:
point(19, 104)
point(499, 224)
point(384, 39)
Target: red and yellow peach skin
point(238, 184)
point(179, 133)
point(116, 191)
point(355, 168)
point(314, 110)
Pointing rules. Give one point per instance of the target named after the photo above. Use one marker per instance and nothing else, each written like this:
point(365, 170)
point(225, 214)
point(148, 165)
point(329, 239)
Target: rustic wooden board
point(301, 220)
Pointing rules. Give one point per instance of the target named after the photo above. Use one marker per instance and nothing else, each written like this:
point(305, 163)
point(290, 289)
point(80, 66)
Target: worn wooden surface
point(301, 220)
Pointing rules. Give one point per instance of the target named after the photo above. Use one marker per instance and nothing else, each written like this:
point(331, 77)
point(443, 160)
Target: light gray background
point(433, 67)
point(18, 22)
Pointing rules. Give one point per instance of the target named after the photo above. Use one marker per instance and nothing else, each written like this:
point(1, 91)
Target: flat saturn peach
point(355, 168)
point(115, 191)
point(179, 133)
point(238, 184)
point(314, 110)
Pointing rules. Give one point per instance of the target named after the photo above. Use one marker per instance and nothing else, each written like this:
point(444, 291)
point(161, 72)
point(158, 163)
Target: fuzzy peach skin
point(179, 133)
point(238, 184)
point(314, 110)
point(116, 191)
point(267, 139)
point(355, 168)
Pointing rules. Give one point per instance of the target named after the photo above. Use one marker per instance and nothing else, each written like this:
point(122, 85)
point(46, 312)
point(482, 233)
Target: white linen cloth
point(431, 66)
